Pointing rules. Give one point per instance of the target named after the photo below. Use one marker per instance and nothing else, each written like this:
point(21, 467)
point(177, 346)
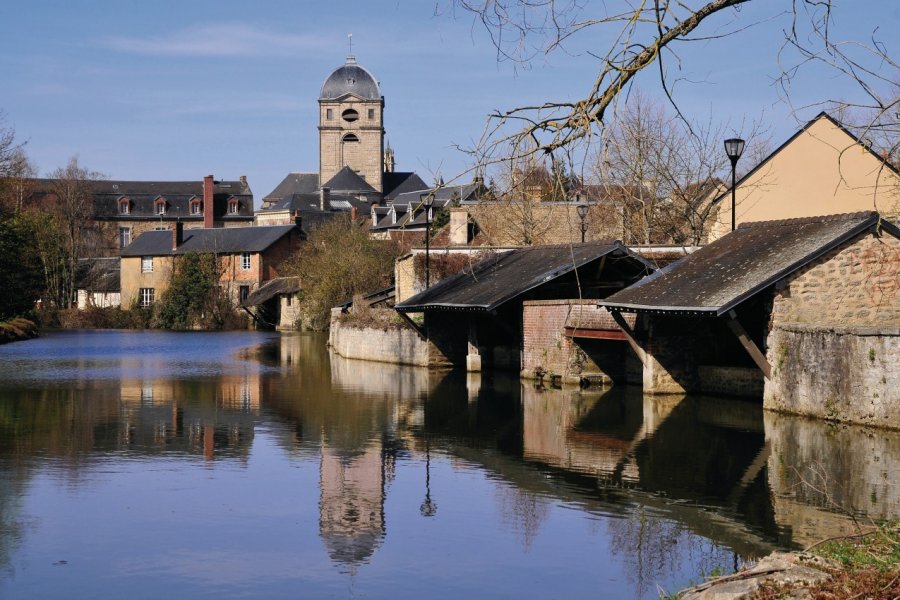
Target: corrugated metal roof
point(500, 278)
point(718, 277)
point(220, 240)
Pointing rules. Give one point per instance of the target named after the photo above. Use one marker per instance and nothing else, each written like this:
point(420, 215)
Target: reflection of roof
point(350, 78)
point(718, 277)
point(352, 549)
point(219, 240)
point(272, 288)
point(503, 277)
point(98, 274)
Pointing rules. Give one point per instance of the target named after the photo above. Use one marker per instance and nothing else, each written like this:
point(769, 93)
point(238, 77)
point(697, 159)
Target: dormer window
point(160, 206)
point(196, 206)
point(124, 206)
point(234, 206)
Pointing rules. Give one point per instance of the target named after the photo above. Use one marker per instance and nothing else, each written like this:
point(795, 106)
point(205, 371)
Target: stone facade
point(531, 222)
point(397, 346)
point(834, 342)
point(341, 122)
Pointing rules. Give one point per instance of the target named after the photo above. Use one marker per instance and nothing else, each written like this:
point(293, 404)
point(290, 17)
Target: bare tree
point(663, 174)
point(644, 36)
point(71, 187)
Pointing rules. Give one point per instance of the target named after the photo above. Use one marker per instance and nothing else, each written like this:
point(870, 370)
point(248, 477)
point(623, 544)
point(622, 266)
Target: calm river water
point(226, 465)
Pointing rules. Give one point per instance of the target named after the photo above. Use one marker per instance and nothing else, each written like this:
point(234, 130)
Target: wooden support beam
point(758, 357)
point(629, 335)
point(416, 327)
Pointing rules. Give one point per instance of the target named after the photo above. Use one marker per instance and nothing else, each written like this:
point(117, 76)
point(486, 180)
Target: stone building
point(803, 312)
point(247, 257)
point(356, 167)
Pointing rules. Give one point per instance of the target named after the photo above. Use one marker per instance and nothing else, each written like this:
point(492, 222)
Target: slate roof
point(98, 274)
point(220, 240)
point(734, 268)
point(395, 183)
point(350, 78)
point(442, 195)
point(293, 183)
point(309, 203)
point(272, 288)
point(504, 276)
point(348, 180)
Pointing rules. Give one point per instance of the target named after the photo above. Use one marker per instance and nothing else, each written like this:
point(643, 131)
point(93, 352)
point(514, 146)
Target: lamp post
point(428, 507)
point(428, 202)
point(734, 147)
point(582, 213)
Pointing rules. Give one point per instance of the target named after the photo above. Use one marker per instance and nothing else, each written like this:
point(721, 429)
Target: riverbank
point(17, 329)
point(863, 565)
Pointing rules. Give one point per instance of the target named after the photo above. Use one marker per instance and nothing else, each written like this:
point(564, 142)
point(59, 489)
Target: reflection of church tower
point(351, 505)
point(351, 129)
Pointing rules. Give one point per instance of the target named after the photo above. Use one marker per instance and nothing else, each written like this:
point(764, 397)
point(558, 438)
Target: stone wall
point(846, 374)
point(734, 381)
point(834, 344)
point(397, 346)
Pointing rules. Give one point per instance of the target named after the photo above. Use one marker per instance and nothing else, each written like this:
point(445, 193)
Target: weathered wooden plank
point(758, 357)
point(629, 335)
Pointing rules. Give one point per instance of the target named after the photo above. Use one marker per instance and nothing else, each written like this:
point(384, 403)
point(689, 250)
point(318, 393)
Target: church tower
point(351, 129)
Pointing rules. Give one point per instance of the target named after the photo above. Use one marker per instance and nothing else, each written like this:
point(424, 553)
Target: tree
point(644, 39)
point(663, 174)
point(336, 263)
point(192, 295)
point(20, 268)
point(71, 188)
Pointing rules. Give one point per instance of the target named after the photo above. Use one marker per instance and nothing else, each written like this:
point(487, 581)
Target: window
point(371, 114)
point(124, 236)
point(289, 299)
point(329, 114)
point(124, 206)
point(160, 207)
point(196, 207)
point(350, 115)
point(146, 264)
point(233, 207)
point(351, 137)
point(146, 297)
point(243, 292)
point(245, 261)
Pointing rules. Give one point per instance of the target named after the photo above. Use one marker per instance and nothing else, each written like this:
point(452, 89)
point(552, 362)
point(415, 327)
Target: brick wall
point(546, 348)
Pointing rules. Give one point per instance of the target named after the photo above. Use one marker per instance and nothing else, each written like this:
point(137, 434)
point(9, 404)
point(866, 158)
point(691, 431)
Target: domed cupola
point(350, 78)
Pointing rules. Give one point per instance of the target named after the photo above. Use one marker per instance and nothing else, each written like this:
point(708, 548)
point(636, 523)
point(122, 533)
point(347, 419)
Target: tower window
point(350, 115)
point(350, 137)
point(371, 114)
point(329, 114)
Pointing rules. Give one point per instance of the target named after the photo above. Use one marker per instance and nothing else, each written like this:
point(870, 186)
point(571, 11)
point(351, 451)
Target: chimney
point(243, 180)
point(354, 214)
point(177, 235)
point(208, 195)
point(324, 199)
point(459, 226)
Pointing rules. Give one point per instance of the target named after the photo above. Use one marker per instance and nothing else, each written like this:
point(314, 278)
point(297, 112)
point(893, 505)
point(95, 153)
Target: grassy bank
point(17, 329)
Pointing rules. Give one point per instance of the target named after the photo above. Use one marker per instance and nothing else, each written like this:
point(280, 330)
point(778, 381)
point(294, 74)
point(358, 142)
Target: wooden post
point(758, 357)
point(629, 335)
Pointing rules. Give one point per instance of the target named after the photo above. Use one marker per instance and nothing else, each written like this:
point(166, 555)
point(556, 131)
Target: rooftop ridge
point(815, 219)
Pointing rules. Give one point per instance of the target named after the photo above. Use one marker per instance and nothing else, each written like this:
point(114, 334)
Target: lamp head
point(582, 211)
point(734, 147)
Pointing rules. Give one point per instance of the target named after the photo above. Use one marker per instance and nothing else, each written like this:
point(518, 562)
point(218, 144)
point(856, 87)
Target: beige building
point(823, 169)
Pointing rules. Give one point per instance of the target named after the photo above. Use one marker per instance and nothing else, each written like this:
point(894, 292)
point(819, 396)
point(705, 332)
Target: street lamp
point(429, 506)
point(582, 213)
point(428, 202)
point(734, 147)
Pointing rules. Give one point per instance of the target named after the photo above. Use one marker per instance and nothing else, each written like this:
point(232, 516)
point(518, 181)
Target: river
point(228, 465)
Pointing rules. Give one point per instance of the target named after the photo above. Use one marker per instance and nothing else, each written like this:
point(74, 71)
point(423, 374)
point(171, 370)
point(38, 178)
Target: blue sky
point(168, 90)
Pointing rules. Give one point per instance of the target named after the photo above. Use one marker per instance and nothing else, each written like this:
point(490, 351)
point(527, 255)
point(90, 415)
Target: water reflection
point(638, 490)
